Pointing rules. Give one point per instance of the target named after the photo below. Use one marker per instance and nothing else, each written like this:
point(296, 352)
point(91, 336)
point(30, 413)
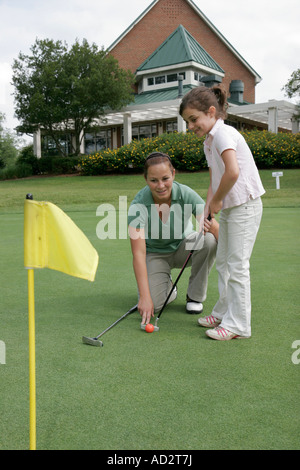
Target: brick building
point(160, 20)
point(172, 47)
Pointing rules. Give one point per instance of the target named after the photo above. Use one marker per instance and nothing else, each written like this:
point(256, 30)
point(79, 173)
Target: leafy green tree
point(64, 90)
point(8, 144)
point(292, 88)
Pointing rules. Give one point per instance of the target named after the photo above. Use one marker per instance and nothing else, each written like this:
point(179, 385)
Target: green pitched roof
point(159, 95)
point(178, 48)
point(167, 94)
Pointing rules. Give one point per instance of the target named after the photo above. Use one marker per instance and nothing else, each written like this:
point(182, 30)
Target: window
point(172, 78)
point(49, 145)
point(159, 80)
point(171, 126)
point(94, 142)
point(142, 132)
point(235, 124)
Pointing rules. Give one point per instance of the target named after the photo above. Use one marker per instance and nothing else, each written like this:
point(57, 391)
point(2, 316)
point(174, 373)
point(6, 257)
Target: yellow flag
point(52, 240)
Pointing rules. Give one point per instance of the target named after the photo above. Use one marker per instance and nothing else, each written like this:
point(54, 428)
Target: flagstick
point(32, 381)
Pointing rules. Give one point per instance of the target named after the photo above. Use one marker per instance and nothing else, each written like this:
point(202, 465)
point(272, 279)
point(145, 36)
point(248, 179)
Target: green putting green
point(173, 389)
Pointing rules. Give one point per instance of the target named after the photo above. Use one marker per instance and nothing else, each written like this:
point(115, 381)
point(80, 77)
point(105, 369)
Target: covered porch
point(275, 116)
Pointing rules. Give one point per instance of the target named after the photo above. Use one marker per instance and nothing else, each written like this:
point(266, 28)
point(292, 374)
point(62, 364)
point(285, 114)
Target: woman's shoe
point(193, 307)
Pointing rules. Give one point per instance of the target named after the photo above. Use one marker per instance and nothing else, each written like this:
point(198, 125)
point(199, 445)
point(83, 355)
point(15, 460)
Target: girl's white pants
point(237, 233)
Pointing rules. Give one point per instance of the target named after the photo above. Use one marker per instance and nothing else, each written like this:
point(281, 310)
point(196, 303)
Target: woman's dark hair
point(202, 98)
point(155, 158)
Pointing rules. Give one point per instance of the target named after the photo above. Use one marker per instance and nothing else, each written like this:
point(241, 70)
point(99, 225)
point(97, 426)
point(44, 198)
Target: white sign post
point(277, 174)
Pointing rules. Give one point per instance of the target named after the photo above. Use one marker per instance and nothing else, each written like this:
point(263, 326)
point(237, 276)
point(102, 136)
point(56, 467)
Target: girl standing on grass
point(235, 189)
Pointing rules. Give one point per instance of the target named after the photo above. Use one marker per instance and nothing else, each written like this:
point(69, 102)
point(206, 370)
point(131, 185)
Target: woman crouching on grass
point(161, 234)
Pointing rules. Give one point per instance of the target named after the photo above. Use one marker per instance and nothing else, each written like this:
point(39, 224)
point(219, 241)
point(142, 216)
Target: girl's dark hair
point(155, 158)
point(202, 98)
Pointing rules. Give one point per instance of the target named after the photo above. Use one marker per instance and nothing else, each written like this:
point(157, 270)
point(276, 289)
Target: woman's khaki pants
point(159, 266)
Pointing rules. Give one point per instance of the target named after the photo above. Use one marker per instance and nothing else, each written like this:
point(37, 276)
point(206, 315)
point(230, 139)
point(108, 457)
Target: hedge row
point(270, 150)
point(186, 153)
point(27, 165)
point(186, 150)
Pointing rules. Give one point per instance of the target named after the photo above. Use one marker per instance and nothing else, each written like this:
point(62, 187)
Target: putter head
point(143, 327)
point(92, 341)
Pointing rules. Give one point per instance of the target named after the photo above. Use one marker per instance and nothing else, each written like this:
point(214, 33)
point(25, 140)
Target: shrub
point(270, 150)
point(28, 158)
point(186, 151)
point(27, 165)
point(14, 171)
point(58, 165)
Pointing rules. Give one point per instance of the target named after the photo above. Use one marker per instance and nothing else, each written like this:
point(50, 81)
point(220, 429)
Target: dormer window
point(159, 80)
point(162, 79)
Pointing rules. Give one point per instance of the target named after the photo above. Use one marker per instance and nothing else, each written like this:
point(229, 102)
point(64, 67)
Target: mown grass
point(175, 389)
point(87, 192)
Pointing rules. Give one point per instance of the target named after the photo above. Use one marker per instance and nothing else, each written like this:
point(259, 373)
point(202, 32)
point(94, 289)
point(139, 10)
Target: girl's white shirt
point(248, 185)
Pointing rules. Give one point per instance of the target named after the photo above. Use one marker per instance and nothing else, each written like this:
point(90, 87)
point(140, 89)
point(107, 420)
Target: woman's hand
point(146, 310)
point(212, 226)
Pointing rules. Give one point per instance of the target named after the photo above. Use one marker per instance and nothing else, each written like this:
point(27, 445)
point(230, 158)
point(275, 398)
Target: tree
point(64, 90)
point(292, 88)
point(8, 144)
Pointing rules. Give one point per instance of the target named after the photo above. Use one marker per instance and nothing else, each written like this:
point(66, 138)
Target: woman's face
point(160, 179)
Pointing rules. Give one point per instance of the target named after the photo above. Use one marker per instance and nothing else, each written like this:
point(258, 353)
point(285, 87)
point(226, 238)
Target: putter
point(156, 328)
point(95, 341)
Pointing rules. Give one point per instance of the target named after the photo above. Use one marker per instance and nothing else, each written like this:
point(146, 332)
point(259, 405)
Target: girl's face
point(160, 179)
point(199, 122)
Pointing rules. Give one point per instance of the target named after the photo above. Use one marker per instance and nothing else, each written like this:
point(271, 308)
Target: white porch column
point(181, 124)
point(273, 119)
point(160, 128)
point(114, 138)
point(127, 128)
point(82, 143)
point(37, 147)
point(295, 125)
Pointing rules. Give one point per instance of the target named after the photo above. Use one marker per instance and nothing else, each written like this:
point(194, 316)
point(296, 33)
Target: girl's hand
point(215, 206)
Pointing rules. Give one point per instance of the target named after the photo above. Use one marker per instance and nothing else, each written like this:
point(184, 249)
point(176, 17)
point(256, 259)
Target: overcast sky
point(265, 32)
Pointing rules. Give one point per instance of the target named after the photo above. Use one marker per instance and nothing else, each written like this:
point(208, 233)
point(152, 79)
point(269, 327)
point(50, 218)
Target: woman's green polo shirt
point(159, 236)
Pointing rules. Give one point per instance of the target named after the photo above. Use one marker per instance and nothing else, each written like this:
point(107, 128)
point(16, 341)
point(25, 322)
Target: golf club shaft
point(95, 341)
point(133, 309)
point(182, 269)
